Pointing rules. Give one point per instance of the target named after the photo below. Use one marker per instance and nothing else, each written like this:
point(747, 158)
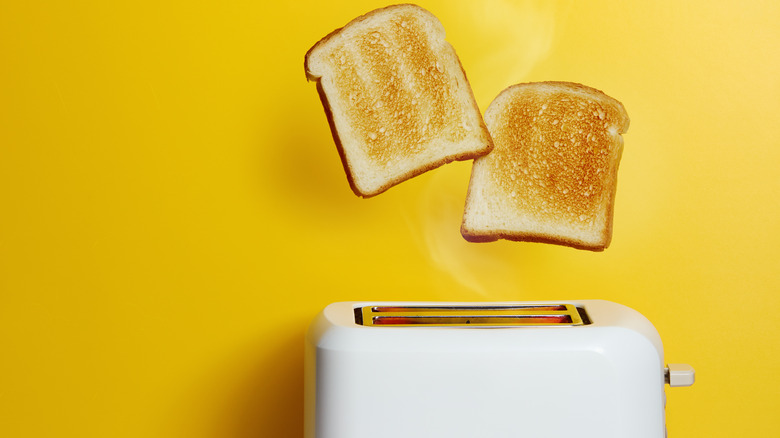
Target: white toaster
point(590, 369)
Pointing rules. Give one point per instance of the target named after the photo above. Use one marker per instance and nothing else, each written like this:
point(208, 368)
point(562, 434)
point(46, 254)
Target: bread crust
point(344, 136)
point(593, 122)
point(390, 183)
point(357, 20)
point(476, 237)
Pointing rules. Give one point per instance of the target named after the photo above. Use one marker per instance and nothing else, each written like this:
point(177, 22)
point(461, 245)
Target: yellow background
point(173, 211)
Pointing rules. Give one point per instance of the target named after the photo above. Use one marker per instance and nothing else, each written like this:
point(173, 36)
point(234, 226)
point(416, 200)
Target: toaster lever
point(679, 374)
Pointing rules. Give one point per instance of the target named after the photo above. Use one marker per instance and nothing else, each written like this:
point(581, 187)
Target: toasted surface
point(396, 96)
point(552, 175)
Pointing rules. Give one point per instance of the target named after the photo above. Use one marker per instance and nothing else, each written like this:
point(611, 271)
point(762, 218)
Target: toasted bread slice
point(553, 173)
point(396, 96)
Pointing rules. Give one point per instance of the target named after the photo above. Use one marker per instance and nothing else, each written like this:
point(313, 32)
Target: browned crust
point(310, 77)
point(356, 20)
point(432, 165)
point(336, 139)
point(534, 238)
point(419, 171)
point(335, 134)
point(606, 237)
point(579, 87)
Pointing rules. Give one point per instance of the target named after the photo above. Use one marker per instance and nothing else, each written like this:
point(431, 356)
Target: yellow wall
point(174, 212)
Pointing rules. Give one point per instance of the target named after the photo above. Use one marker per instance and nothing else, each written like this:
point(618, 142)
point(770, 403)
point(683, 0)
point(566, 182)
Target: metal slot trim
point(460, 315)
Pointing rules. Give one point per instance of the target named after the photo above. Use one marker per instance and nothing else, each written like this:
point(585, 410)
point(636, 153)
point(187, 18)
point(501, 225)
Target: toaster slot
point(466, 315)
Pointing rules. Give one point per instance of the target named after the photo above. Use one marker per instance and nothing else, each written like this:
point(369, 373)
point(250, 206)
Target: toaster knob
point(679, 374)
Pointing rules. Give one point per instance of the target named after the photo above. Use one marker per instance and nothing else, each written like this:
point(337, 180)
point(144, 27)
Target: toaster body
point(594, 369)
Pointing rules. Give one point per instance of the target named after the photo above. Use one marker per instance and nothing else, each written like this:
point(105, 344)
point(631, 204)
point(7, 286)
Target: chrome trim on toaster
point(471, 315)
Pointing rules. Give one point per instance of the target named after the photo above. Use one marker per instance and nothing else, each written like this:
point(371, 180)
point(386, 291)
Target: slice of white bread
point(553, 172)
point(396, 97)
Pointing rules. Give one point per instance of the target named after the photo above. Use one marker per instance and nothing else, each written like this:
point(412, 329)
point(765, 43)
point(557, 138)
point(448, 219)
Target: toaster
point(590, 369)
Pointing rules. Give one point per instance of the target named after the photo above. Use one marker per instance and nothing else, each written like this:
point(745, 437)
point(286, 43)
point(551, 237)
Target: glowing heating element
point(485, 316)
